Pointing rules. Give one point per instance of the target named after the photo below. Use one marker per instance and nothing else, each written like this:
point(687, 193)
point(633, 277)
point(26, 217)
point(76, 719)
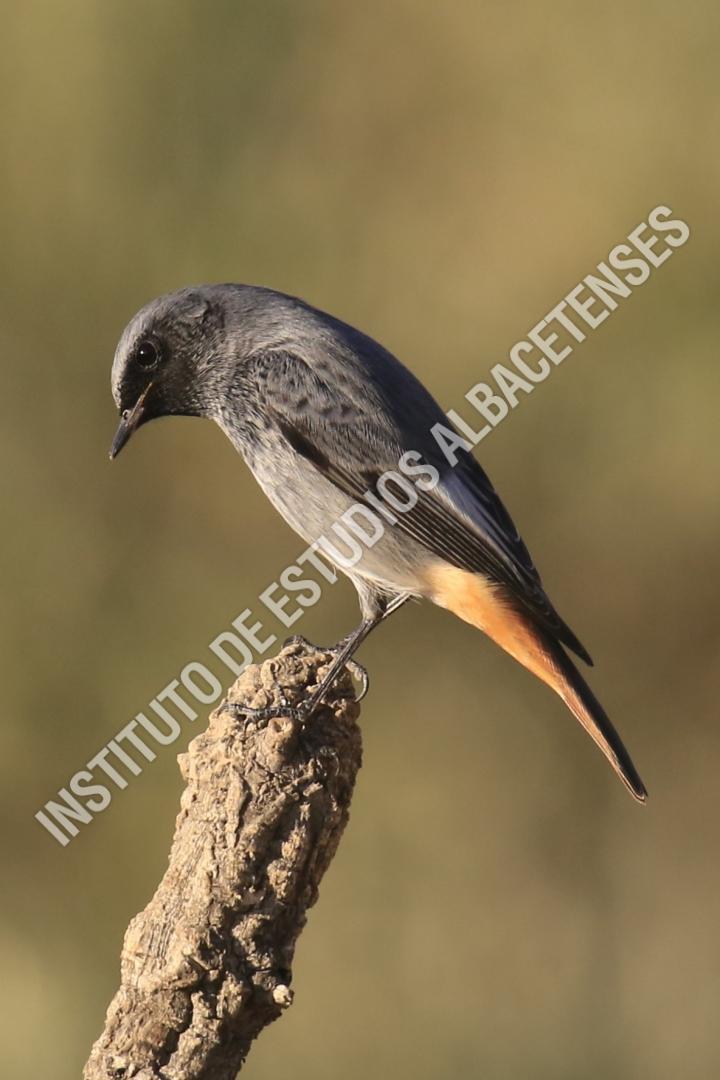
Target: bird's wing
point(352, 438)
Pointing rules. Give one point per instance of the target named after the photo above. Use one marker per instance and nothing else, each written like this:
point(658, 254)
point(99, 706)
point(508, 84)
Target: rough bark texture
point(207, 964)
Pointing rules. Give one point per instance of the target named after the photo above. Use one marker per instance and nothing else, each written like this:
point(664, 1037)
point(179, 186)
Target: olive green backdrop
point(440, 175)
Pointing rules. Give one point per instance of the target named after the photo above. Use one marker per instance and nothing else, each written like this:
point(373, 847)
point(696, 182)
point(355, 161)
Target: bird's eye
point(147, 354)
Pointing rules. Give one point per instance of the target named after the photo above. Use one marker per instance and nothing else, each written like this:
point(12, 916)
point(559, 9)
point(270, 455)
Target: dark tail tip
point(582, 702)
point(634, 784)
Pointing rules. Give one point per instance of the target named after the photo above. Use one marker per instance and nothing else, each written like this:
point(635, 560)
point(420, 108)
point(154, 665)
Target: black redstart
point(321, 413)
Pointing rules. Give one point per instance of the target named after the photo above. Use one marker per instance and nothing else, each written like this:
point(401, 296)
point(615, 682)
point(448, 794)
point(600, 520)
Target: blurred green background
point(441, 176)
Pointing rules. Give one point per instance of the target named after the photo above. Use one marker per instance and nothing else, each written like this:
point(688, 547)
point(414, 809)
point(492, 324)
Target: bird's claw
point(357, 671)
point(298, 639)
point(360, 674)
point(283, 710)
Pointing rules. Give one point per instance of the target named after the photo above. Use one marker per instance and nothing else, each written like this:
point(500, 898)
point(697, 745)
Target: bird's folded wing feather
point(353, 441)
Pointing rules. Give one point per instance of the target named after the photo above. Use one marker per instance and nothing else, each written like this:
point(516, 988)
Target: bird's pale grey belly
point(314, 507)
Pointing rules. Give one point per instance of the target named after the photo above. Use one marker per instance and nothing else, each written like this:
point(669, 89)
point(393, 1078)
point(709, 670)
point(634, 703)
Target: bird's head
point(168, 360)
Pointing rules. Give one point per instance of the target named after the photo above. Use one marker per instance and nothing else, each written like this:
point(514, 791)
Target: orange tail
point(488, 607)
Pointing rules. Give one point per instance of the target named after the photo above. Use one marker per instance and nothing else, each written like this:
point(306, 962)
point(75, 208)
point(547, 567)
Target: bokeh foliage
point(440, 175)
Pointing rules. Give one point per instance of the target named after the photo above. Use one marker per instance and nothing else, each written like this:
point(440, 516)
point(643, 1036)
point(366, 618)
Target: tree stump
point(208, 963)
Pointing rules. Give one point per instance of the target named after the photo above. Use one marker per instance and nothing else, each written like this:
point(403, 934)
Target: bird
point(320, 412)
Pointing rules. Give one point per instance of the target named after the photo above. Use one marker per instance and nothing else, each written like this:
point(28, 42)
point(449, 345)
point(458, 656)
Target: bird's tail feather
point(583, 704)
point(490, 608)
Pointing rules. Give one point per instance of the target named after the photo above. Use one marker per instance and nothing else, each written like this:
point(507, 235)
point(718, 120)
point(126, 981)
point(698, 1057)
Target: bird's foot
point(357, 671)
point(299, 713)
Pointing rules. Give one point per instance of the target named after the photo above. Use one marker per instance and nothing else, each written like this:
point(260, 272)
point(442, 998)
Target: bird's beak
point(129, 420)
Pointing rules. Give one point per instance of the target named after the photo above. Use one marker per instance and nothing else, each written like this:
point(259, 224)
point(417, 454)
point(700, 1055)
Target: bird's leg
point(394, 604)
point(356, 670)
point(344, 650)
point(306, 708)
point(344, 657)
